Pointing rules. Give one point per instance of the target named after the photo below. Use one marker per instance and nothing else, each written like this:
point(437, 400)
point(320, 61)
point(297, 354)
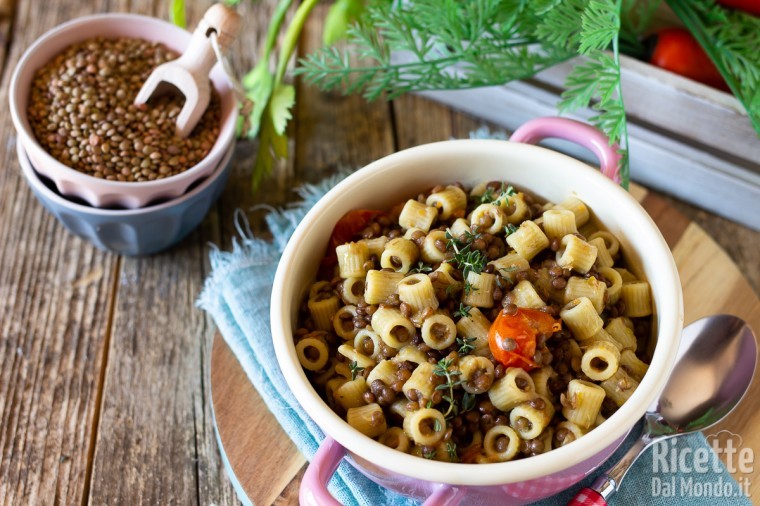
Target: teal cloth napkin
point(237, 293)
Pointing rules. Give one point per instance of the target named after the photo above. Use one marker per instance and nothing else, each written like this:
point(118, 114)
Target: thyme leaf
point(463, 311)
point(468, 402)
point(421, 267)
point(355, 369)
point(465, 345)
point(451, 450)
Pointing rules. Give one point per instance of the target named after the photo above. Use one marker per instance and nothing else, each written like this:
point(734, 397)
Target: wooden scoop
point(190, 72)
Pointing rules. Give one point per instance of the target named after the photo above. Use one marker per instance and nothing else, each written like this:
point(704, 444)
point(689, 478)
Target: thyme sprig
point(468, 402)
point(465, 257)
point(468, 288)
point(490, 197)
point(444, 368)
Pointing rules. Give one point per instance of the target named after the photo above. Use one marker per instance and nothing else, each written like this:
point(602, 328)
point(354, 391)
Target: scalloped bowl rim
point(33, 178)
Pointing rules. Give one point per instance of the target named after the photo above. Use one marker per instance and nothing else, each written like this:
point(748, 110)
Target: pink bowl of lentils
point(72, 103)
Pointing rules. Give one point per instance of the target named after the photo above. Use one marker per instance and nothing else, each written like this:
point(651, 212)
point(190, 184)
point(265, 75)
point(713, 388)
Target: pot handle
point(583, 134)
point(313, 491)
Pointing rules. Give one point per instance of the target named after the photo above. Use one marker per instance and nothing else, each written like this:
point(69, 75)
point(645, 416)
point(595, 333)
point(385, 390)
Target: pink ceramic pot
point(550, 175)
point(100, 192)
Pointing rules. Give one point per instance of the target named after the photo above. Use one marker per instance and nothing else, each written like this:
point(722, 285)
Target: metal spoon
point(714, 368)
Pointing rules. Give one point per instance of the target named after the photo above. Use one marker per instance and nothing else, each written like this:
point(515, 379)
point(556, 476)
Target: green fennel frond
point(600, 25)
point(445, 44)
point(731, 39)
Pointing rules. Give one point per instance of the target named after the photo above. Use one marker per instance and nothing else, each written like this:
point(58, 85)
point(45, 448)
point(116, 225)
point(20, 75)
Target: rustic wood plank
point(54, 309)
point(290, 494)
point(740, 243)
point(7, 11)
point(333, 131)
point(154, 397)
point(156, 419)
point(259, 435)
point(671, 223)
point(420, 121)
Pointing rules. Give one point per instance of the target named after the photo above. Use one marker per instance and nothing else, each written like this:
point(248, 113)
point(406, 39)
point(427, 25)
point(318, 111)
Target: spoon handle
point(607, 483)
point(587, 497)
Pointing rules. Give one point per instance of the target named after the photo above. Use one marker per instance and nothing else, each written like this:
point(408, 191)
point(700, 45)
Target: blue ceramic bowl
point(130, 232)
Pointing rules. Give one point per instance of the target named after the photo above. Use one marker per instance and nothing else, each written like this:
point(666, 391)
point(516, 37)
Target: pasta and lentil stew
point(475, 326)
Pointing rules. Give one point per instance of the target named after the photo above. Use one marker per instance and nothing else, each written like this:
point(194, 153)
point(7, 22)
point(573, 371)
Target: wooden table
point(104, 360)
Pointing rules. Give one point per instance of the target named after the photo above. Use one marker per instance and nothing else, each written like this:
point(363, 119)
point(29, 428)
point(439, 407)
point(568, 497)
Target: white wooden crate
point(686, 139)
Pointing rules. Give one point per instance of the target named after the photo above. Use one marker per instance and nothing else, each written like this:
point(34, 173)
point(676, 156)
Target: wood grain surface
point(105, 361)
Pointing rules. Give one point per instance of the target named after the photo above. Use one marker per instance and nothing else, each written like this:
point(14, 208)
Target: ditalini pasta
point(431, 250)
point(352, 258)
point(481, 290)
point(343, 322)
point(417, 215)
point(380, 285)
point(417, 291)
point(477, 325)
point(558, 223)
point(582, 402)
point(528, 240)
point(448, 201)
point(576, 254)
point(489, 218)
point(438, 331)
point(399, 255)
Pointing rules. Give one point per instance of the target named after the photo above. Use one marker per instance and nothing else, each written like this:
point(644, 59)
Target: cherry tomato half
point(512, 338)
point(351, 224)
point(347, 227)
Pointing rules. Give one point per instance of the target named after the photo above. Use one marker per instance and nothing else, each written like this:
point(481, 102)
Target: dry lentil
point(86, 96)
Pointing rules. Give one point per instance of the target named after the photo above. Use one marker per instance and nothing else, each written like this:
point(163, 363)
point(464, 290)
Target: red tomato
point(347, 227)
point(471, 453)
point(521, 327)
point(678, 51)
point(748, 6)
point(351, 224)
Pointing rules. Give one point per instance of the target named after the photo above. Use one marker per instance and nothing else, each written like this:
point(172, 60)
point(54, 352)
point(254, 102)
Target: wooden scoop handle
point(199, 57)
point(224, 21)
point(190, 72)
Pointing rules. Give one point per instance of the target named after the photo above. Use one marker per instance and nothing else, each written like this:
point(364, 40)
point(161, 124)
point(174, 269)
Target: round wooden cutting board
point(265, 465)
